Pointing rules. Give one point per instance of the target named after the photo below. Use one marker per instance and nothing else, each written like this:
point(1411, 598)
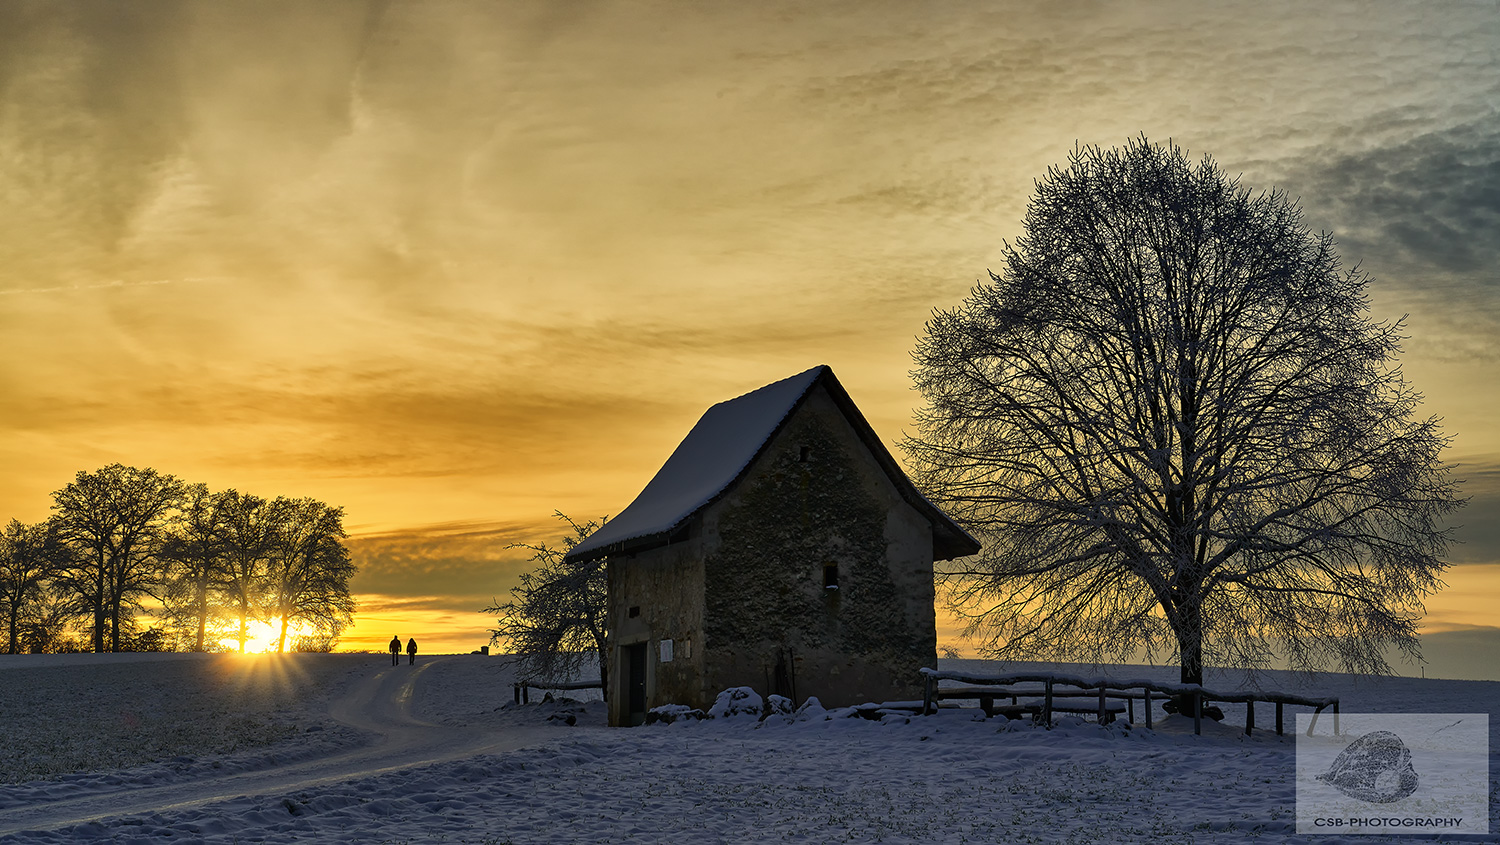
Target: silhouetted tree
point(47, 620)
point(30, 557)
point(247, 537)
point(115, 519)
point(197, 566)
point(307, 577)
point(556, 616)
point(1176, 429)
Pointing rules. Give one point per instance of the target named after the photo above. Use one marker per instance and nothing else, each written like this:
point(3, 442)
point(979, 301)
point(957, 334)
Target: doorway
point(635, 684)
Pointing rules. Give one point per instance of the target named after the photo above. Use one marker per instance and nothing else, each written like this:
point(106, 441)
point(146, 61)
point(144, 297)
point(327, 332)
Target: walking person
point(396, 649)
point(411, 651)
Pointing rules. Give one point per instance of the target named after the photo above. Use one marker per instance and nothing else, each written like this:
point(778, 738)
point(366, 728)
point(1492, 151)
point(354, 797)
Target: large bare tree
point(1177, 430)
point(116, 520)
point(197, 568)
point(308, 572)
point(247, 526)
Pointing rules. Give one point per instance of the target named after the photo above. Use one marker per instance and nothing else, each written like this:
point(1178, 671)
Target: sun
point(260, 637)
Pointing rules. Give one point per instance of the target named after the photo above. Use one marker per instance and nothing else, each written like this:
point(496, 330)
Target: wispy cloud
point(112, 285)
point(493, 259)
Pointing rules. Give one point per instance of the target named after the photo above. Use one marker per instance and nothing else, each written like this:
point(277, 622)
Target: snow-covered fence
point(988, 687)
point(523, 688)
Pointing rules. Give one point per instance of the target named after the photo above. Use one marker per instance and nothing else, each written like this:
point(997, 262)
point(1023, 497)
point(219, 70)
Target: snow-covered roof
point(722, 446)
point(723, 443)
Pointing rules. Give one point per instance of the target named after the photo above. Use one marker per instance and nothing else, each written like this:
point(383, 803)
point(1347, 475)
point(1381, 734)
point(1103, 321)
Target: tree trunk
point(202, 612)
point(1190, 642)
point(281, 641)
point(97, 599)
point(114, 625)
point(15, 645)
point(604, 673)
point(242, 631)
point(202, 625)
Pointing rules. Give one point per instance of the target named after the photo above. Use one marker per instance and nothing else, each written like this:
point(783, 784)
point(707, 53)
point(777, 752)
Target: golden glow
point(262, 637)
point(453, 267)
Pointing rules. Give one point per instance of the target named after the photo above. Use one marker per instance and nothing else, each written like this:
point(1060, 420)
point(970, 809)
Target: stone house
point(780, 547)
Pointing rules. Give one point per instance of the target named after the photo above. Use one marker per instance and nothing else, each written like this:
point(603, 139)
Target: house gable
point(719, 449)
point(814, 508)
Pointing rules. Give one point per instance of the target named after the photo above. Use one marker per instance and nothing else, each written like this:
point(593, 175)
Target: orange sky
point(454, 265)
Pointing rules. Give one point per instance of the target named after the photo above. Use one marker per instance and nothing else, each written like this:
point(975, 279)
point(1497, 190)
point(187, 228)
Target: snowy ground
point(91, 713)
point(358, 764)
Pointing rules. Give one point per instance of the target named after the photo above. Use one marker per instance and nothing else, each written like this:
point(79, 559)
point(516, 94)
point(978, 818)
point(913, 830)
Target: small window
point(830, 576)
point(804, 454)
point(634, 611)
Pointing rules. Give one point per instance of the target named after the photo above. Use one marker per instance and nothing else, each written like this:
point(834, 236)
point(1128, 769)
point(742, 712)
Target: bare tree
point(46, 622)
point(556, 616)
point(247, 536)
point(30, 556)
point(307, 578)
point(1178, 431)
point(197, 567)
point(116, 520)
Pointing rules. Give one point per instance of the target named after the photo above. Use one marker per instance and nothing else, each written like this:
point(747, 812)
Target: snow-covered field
point(90, 713)
point(346, 748)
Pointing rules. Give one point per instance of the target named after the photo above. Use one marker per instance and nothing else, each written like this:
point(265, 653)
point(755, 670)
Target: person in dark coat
point(411, 651)
point(396, 649)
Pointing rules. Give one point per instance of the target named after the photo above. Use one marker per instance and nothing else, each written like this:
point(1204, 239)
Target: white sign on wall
point(666, 651)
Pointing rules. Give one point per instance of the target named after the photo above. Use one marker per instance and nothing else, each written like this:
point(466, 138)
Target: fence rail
point(1107, 688)
point(523, 688)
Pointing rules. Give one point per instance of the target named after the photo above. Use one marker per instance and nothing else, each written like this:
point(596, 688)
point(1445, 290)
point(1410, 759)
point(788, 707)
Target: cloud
point(111, 285)
point(1478, 524)
point(484, 260)
point(1462, 652)
point(1421, 213)
point(451, 567)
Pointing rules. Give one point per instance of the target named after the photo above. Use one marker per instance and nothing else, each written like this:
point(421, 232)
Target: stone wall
point(666, 584)
point(815, 499)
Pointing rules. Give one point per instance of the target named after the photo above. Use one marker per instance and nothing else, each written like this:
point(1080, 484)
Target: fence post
point(1047, 706)
point(1148, 707)
point(1101, 704)
point(1249, 716)
point(1198, 713)
point(1278, 720)
point(927, 695)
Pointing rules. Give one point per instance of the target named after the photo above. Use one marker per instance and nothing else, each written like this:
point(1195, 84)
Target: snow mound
point(811, 710)
point(669, 713)
point(737, 701)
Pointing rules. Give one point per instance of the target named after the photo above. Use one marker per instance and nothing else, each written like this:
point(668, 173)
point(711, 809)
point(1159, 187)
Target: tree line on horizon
point(211, 562)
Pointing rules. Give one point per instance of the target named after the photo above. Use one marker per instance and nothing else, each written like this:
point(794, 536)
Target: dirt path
point(380, 705)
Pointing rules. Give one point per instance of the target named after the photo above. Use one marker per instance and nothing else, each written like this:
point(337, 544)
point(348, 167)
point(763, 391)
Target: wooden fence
point(989, 687)
point(523, 688)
